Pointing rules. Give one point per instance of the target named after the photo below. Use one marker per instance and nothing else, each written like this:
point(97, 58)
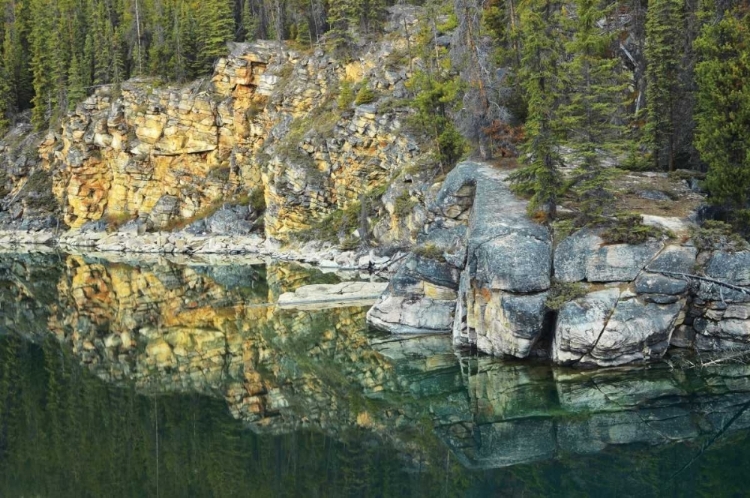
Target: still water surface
point(156, 377)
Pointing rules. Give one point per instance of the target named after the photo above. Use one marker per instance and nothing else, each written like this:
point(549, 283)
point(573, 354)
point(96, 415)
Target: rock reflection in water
point(213, 330)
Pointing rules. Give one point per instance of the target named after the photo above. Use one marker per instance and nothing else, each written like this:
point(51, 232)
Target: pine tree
point(76, 86)
point(542, 51)
point(5, 101)
point(248, 22)
point(723, 119)
point(43, 65)
point(342, 15)
point(663, 51)
point(216, 26)
point(595, 91)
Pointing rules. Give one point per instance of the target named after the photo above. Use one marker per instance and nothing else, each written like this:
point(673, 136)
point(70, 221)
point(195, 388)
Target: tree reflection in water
point(156, 378)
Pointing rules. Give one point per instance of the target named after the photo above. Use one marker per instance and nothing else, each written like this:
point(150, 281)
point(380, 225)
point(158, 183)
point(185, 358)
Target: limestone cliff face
point(266, 124)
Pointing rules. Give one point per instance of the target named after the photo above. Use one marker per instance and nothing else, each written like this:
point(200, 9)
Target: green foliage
point(539, 177)
point(429, 251)
point(719, 236)
point(563, 292)
point(628, 228)
point(38, 191)
point(346, 95)
point(336, 227)
point(595, 99)
point(435, 98)
point(5, 101)
point(258, 200)
point(365, 95)
point(663, 52)
point(404, 204)
point(723, 118)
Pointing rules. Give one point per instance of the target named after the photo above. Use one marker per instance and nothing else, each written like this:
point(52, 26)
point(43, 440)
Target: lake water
point(157, 377)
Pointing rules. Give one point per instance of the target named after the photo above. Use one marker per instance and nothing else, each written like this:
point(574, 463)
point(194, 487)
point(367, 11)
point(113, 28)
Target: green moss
point(628, 228)
point(429, 251)
point(365, 95)
point(717, 235)
point(564, 292)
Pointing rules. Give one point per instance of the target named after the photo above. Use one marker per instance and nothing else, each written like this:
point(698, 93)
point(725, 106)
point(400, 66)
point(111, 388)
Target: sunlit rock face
point(265, 125)
point(213, 329)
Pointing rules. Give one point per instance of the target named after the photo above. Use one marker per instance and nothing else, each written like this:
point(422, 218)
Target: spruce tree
point(542, 38)
point(5, 101)
point(43, 65)
point(216, 28)
point(76, 86)
point(595, 91)
point(723, 119)
point(663, 51)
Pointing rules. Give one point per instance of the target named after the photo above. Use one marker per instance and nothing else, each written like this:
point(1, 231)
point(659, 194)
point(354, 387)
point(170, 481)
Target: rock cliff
point(263, 143)
point(484, 272)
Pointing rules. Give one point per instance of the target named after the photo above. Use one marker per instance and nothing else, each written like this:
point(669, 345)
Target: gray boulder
point(584, 256)
point(620, 262)
point(602, 329)
point(507, 324)
point(580, 324)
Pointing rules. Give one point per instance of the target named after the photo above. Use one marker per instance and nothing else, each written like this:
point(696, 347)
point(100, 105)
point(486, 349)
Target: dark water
point(177, 378)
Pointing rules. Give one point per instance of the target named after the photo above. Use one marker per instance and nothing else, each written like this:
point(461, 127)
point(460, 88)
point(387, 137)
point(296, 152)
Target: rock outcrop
point(484, 271)
point(264, 134)
point(491, 262)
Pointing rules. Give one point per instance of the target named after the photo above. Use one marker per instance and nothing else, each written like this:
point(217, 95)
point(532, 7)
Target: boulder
point(506, 323)
point(415, 314)
point(585, 256)
point(606, 329)
point(580, 324)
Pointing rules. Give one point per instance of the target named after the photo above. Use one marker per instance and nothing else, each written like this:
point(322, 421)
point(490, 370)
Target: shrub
point(429, 251)
point(717, 235)
point(365, 95)
point(346, 97)
point(628, 228)
point(563, 292)
point(404, 204)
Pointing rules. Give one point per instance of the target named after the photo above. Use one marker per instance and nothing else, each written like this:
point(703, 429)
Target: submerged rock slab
point(323, 296)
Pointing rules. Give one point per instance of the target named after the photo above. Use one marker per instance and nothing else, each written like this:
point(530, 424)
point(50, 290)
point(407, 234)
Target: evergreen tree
point(216, 27)
point(663, 50)
point(542, 38)
point(5, 101)
point(76, 85)
point(43, 65)
point(342, 15)
point(595, 91)
point(723, 131)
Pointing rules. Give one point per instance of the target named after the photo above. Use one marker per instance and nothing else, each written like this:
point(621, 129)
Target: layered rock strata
point(264, 134)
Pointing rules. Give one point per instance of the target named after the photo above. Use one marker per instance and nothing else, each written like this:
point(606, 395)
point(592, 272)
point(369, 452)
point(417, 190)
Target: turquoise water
point(157, 377)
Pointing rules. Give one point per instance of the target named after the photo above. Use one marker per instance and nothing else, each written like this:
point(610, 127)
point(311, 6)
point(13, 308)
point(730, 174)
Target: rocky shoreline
point(182, 243)
point(486, 273)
